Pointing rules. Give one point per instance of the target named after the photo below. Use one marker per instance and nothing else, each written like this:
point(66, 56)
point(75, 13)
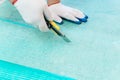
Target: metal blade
point(65, 38)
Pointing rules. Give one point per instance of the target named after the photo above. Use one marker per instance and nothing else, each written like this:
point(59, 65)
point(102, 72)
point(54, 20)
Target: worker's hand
point(59, 10)
point(33, 12)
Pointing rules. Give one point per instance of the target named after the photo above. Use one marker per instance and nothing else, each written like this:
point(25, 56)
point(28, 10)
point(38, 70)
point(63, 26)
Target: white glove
point(59, 10)
point(33, 12)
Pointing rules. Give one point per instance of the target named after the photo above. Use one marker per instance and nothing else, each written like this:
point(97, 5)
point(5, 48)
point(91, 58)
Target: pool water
point(93, 54)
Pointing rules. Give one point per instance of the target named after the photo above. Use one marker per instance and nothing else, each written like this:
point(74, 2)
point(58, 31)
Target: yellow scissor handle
point(54, 25)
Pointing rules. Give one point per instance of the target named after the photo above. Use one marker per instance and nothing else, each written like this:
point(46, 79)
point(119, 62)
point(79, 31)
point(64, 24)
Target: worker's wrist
point(11, 1)
point(51, 2)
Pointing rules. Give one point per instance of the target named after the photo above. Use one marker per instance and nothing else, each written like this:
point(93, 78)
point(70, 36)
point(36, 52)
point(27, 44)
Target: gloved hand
point(33, 12)
point(59, 10)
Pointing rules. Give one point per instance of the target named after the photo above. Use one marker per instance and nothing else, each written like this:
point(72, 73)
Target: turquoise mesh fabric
point(93, 54)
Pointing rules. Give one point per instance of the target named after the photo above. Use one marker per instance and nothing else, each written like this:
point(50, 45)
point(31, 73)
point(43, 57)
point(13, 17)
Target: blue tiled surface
point(10, 71)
